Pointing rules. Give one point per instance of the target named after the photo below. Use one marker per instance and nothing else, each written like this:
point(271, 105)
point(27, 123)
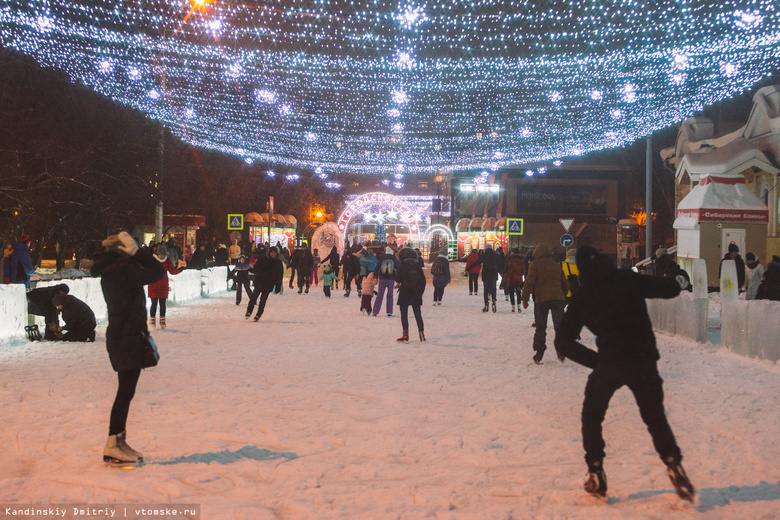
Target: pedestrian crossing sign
point(514, 226)
point(235, 222)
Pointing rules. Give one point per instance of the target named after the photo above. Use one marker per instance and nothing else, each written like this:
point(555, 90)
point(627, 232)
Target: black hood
point(592, 265)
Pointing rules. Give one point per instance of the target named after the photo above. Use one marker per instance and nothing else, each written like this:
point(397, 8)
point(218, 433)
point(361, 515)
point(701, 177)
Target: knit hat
point(407, 253)
point(389, 250)
point(661, 251)
point(488, 246)
point(25, 239)
point(733, 248)
point(162, 251)
point(571, 255)
point(750, 257)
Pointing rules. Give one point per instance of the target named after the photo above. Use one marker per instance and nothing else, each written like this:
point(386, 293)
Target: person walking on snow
point(473, 273)
point(548, 284)
point(269, 273)
point(124, 270)
point(440, 271)
point(158, 291)
point(411, 286)
point(489, 261)
point(327, 279)
point(514, 277)
point(305, 267)
point(386, 273)
point(611, 303)
point(369, 283)
point(333, 258)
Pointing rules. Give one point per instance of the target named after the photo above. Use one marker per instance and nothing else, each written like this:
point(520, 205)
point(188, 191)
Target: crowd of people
point(579, 288)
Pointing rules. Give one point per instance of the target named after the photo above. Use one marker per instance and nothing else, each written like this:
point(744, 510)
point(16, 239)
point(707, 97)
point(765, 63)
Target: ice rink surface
point(316, 412)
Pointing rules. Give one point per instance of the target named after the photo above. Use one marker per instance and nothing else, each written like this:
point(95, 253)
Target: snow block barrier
point(683, 316)
point(751, 328)
point(13, 313)
point(186, 286)
point(215, 280)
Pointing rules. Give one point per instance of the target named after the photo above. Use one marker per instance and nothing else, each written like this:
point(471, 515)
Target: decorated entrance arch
point(374, 199)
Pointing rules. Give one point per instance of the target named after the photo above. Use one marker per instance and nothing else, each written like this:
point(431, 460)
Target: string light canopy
point(406, 86)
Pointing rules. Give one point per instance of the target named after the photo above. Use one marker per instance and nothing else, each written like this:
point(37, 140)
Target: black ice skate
point(680, 481)
point(485, 309)
point(596, 484)
point(538, 357)
point(33, 334)
point(494, 305)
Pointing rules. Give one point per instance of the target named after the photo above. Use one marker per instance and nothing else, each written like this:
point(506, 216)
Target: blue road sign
point(567, 240)
point(514, 226)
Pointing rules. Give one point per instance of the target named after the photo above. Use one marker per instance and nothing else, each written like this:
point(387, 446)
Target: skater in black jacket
point(611, 303)
point(124, 270)
point(269, 272)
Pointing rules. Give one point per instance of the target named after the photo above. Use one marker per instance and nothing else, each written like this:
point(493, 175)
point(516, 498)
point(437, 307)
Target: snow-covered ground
point(316, 412)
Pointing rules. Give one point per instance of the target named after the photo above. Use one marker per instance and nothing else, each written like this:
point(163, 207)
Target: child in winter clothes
point(367, 293)
point(328, 277)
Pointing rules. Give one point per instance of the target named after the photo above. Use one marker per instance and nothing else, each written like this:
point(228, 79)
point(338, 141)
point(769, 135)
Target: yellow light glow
point(319, 214)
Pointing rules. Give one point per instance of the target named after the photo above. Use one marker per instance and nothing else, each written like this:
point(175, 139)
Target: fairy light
point(304, 84)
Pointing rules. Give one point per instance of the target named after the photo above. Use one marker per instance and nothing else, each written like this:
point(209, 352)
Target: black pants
point(512, 291)
point(489, 290)
point(326, 289)
point(348, 277)
point(417, 317)
point(153, 308)
point(541, 309)
point(473, 283)
point(80, 334)
point(128, 379)
point(647, 387)
point(292, 276)
point(247, 288)
point(304, 279)
point(263, 295)
point(438, 292)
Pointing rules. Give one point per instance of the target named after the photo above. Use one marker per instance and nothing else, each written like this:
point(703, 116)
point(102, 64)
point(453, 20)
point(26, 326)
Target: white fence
point(684, 316)
point(752, 328)
point(186, 286)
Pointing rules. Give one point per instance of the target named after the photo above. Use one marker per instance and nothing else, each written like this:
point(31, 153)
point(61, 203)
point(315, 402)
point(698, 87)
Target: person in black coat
point(305, 267)
point(490, 262)
point(770, 283)
point(124, 270)
point(78, 317)
point(40, 304)
point(739, 263)
point(411, 286)
point(611, 303)
point(333, 258)
point(269, 272)
point(351, 265)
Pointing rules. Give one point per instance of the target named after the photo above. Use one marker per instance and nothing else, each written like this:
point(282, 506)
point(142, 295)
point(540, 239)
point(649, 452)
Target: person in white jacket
point(754, 274)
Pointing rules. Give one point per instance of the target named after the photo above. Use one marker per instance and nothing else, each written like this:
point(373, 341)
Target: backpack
point(437, 268)
point(387, 266)
point(413, 280)
point(574, 280)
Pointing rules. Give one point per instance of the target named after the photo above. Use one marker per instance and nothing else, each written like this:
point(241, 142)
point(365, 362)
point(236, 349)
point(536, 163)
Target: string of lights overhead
point(404, 87)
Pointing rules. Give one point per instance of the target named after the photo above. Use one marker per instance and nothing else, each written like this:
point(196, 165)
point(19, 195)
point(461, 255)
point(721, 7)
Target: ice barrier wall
point(189, 285)
point(684, 316)
point(751, 328)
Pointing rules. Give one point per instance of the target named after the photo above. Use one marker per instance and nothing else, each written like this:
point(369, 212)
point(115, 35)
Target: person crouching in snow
point(124, 270)
point(611, 303)
point(367, 293)
point(269, 272)
point(328, 277)
point(78, 317)
point(411, 287)
point(158, 291)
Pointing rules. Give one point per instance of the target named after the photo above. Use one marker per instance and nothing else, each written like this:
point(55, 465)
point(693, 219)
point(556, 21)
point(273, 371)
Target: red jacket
point(159, 289)
point(473, 257)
